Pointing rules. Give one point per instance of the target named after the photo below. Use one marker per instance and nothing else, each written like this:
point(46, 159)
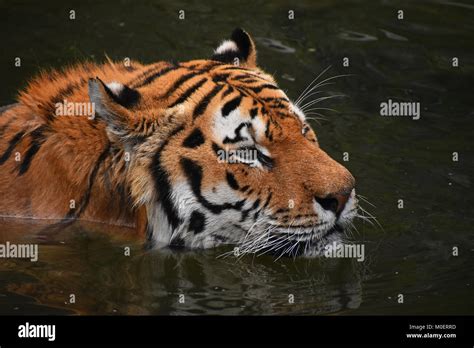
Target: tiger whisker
point(329, 109)
point(315, 92)
point(364, 218)
point(302, 95)
point(315, 101)
point(370, 216)
point(316, 119)
point(322, 83)
point(366, 200)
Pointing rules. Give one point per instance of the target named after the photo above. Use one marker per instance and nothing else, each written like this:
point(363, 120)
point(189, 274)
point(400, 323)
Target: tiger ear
point(111, 102)
point(239, 50)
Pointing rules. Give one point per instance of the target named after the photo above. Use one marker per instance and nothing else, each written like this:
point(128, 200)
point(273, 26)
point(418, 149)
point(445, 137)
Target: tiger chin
point(196, 154)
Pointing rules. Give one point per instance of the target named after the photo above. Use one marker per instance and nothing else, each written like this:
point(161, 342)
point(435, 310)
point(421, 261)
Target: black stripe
point(231, 105)
point(201, 107)
point(255, 216)
point(245, 188)
point(217, 149)
point(220, 78)
point(197, 222)
point(179, 82)
point(163, 184)
point(228, 91)
point(84, 200)
point(258, 89)
point(146, 71)
point(253, 112)
point(267, 130)
point(194, 139)
point(151, 78)
point(275, 100)
point(204, 66)
point(11, 145)
point(177, 243)
point(255, 204)
point(233, 67)
point(265, 160)
point(65, 92)
point(267, 202)
point(243, 91)
point(246, 212)
point(194, 174)
point(232, 181)
point(187, 93)
point(237, 137)
point(156, 75)
point(37, 139)
point(73, 214)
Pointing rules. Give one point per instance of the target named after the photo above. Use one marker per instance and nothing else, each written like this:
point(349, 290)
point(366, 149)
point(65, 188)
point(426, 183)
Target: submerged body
point(196, 154)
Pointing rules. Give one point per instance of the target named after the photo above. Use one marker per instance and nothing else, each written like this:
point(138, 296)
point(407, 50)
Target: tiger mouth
point(285, 241)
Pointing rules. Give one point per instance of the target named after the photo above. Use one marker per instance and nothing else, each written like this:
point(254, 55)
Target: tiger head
point(220, 155)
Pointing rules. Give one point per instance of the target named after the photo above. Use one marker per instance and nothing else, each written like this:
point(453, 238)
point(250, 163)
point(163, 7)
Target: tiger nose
point(334, 202)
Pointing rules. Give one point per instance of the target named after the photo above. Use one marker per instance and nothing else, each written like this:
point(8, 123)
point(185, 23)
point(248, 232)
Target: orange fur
point(69, 167)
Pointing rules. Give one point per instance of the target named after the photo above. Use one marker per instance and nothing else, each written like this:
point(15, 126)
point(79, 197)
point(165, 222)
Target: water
point(391, 158)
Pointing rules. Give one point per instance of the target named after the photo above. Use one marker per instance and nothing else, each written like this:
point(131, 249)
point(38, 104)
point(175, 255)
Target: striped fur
point(149, 156)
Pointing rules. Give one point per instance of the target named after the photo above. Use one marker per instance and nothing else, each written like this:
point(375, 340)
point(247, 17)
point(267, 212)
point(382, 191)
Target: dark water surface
point(391, 158)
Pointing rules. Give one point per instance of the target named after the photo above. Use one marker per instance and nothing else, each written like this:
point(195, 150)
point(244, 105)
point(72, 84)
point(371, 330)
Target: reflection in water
point(94, 268)
point(393, 36)
point(274, 45)
point(355, 36)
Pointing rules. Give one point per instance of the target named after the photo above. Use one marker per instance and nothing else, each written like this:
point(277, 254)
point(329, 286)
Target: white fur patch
point(115, 87)
point(159, 224)
point(225, 126)
point(259, 127)
point(227, 46)
point(298, 112)
point(350, 210)
point(185, 203)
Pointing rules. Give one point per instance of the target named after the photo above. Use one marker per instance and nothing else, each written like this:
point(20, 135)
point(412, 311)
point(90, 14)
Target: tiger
point(191, 155)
